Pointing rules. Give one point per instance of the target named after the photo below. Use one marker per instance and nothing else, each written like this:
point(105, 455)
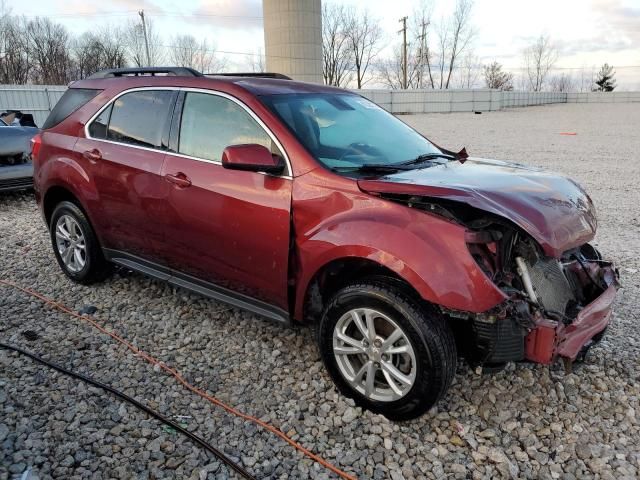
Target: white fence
point(447, 101)
point(35, 99)
point(483, 100)
point(40, 99)
point(603, 97)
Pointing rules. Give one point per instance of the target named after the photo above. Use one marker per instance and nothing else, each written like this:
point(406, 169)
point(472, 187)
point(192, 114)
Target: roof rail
point(251, 74)
point(152, 71)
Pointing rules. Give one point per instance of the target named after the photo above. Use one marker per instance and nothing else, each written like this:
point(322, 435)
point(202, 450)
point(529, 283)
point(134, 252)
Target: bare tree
point(257, 62)
point(458, 36)
point(562, 82)
point(469, 70)
point(14, 49)
point(134, 41)
point(586, 79)
point(539, 59)
point(187, 52)
point(336, 59)
point(97, 51)
point(49, 52)
point(390, 71)
point(495, 78)
point(87, 53)
point(364, 37)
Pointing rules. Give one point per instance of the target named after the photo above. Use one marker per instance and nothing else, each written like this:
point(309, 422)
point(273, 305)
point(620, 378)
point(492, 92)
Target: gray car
point(16, 169)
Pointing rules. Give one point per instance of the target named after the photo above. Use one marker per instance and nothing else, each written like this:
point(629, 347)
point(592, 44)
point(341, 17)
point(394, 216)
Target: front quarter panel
point(333, 219)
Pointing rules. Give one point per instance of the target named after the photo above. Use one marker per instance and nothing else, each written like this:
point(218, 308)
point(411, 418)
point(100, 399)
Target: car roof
point(254, 85)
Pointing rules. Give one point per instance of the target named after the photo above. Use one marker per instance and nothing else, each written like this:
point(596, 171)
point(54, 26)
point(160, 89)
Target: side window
point(211, 123)
point(98, 128)
point(141, 118)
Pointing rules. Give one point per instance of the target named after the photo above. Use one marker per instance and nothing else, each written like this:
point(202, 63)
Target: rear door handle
point(179, 179)
point(92, 155)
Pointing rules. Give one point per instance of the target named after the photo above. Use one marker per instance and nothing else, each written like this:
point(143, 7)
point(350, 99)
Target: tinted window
point(72, 100)
point(141, 118)
point(211, 123)
point(98, 128)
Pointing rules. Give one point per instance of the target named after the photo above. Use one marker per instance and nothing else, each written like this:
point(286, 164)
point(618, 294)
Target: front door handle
point(179, 179)
point(92, 155)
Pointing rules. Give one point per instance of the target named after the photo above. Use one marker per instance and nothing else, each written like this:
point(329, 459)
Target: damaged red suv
point(305, 203)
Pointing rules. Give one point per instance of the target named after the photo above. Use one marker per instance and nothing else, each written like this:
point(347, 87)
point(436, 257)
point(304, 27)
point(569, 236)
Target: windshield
point(345, 130)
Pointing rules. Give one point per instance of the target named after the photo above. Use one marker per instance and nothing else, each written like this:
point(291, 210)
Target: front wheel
point(387, 350)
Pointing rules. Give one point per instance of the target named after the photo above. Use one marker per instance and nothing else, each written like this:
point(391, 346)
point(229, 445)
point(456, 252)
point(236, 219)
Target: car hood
point(552, 208)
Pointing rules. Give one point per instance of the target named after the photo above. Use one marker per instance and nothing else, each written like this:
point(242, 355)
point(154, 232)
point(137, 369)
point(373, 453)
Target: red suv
point(305, 203)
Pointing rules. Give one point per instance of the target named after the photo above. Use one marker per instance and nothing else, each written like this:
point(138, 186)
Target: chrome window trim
point(252, 114)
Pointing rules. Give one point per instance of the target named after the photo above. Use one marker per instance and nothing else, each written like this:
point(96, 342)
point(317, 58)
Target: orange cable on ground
point(181, 379)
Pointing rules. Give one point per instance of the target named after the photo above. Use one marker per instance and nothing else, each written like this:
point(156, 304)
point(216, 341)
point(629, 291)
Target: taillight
point(36, 143)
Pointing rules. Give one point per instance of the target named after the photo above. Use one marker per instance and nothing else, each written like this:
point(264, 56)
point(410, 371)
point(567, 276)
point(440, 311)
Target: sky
point(587, 33)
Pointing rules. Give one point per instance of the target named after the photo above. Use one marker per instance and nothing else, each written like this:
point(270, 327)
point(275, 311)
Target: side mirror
point(252, 158)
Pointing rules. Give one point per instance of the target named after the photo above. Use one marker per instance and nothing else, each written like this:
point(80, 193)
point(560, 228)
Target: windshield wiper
point(425, 157)
point(372, 168)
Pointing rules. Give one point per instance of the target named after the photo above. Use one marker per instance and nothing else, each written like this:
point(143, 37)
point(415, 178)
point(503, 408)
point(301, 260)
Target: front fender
point(428, 252)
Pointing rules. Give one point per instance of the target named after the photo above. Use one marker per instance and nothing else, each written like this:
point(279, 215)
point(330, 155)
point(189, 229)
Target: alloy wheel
point(71, 243)
point(374, 355)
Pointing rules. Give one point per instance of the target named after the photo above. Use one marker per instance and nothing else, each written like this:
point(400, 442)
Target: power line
point(152, 12)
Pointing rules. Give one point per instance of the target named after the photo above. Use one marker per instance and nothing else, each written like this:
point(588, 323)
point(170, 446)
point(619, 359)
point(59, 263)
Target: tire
point(70, 224)
point(426, 340)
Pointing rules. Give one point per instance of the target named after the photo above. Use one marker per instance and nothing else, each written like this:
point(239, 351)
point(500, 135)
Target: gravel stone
point(528, 421)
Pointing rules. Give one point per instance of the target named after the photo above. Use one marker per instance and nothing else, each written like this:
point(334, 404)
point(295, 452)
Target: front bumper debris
point(550, 339)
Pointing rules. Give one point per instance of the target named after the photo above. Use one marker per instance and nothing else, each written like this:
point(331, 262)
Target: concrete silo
point(293, 38)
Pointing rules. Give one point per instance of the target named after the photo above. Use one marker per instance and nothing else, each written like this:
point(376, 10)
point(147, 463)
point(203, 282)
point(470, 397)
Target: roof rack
point(251, 74)
point(152, 71)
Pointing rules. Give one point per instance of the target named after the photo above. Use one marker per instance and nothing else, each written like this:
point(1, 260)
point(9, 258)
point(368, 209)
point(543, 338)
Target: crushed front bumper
point(550, 339)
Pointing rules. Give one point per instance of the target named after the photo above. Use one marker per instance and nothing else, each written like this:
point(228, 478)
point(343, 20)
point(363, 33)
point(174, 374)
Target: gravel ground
point(526, 422)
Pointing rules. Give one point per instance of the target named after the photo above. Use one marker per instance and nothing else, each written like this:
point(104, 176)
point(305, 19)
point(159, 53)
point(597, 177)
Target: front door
point(227, 227)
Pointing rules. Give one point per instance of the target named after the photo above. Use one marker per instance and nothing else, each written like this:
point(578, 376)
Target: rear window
point(72, 100)
point(141, 118)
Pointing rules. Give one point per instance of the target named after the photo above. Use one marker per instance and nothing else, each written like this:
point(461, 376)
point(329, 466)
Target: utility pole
point(403, 20)
point(146, 40)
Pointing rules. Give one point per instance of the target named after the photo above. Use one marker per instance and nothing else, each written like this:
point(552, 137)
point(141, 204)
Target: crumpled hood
point(552, 208)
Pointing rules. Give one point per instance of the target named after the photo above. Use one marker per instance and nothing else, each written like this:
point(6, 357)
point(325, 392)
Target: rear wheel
point(75, 245)
point(387, 350)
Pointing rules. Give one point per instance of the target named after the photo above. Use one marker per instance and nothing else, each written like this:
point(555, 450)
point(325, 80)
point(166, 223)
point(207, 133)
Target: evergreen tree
point(605, 81)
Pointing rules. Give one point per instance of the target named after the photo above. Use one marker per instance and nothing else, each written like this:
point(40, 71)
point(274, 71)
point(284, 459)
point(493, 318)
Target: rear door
point(223, 226)
point(127, 143)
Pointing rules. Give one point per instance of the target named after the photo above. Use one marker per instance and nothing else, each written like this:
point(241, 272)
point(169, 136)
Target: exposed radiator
point(550, 285)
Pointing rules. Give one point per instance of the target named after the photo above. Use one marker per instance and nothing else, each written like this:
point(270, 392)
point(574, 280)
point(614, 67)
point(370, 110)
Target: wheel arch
point(56, 194)
point(335, 274)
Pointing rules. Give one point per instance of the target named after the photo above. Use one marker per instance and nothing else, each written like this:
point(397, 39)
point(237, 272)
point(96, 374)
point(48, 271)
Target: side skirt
point(207, 289)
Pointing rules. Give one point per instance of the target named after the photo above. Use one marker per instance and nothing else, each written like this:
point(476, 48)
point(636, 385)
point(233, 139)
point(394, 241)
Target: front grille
point(551, 286)
point(499, 342)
